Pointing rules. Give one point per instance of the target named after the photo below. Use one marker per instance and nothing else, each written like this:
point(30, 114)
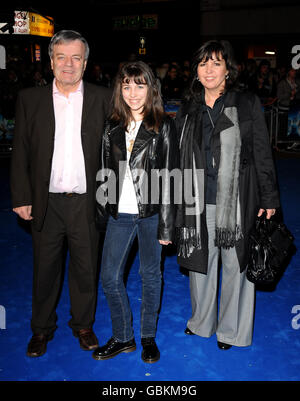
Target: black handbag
point(271, 244)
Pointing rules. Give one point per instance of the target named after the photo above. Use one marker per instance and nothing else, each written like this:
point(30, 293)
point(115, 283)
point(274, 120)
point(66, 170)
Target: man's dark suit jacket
point(33, 146)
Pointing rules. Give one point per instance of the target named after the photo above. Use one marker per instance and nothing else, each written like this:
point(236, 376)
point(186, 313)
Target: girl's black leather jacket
point(153, 160)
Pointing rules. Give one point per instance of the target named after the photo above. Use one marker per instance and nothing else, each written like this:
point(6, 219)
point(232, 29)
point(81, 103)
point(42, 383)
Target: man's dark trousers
point(65, 220)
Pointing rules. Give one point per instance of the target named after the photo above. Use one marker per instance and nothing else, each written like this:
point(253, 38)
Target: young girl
point(138, 144)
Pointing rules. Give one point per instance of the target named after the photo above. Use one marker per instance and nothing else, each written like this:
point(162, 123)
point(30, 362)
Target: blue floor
point(273, 356)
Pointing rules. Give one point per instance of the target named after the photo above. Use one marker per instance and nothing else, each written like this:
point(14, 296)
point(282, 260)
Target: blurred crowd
point(280, 85)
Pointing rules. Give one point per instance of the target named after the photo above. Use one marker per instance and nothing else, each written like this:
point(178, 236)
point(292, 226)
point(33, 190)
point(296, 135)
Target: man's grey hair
point(66, 36)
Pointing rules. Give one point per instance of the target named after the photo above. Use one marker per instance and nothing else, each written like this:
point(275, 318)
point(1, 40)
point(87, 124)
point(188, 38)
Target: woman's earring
point(226, 76)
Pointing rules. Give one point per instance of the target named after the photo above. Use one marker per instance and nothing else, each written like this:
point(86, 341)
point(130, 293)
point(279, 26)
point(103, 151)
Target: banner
point(41, 26)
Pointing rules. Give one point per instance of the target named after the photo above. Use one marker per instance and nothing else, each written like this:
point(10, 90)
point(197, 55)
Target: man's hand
point(24, 212)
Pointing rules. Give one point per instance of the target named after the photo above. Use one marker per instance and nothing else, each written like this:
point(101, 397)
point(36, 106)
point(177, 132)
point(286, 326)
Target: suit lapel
point(88, 98)
point(48, 119)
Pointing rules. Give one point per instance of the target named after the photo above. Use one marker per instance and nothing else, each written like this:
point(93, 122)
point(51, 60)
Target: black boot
point(150, 353)
point(113, 348)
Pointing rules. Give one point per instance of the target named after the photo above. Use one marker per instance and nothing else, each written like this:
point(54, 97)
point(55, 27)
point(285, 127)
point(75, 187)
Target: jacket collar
point(193, 106)
point(223, 122)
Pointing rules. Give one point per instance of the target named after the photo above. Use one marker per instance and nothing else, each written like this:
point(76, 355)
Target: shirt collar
point(57, 92)
point(221, 98)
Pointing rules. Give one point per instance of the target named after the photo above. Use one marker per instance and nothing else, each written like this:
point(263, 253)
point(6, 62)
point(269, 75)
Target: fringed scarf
point(228, 215)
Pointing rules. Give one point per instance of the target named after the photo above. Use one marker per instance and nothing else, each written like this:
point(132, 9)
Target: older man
point(53, 174)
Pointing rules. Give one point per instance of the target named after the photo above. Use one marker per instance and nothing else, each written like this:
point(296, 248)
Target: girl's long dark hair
point(219, 48)
point(153, 112)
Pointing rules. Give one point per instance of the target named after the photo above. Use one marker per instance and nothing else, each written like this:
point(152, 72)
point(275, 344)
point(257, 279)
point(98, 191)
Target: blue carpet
point(273, 356)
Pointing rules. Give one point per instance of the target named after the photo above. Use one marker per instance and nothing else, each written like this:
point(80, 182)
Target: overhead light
point(269, 52)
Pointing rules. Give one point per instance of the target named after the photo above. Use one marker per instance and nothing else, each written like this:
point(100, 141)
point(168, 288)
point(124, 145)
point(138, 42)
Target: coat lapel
point(222, 124)
point(223, 121)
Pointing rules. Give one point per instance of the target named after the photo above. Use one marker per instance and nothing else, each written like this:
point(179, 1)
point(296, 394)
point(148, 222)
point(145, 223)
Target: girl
point(139, 143)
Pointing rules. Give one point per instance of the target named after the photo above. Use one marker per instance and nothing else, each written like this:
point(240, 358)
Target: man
point(53, 175)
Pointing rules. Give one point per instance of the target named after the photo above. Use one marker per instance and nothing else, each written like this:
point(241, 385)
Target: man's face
point(68, 64)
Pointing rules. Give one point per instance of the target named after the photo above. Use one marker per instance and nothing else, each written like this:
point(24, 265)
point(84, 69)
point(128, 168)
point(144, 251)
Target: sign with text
point(27, 23)
point(134, 22)
point(21, 26)
point(41, 26)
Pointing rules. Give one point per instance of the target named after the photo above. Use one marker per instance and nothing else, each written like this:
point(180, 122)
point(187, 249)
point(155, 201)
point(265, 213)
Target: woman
point(139, 145)
point(223, 136)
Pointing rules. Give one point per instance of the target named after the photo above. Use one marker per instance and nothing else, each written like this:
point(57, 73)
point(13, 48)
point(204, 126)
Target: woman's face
point(212, 72)
point(135, 96)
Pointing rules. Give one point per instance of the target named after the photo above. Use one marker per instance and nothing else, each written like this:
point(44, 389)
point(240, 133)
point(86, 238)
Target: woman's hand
point(164, 242)
point(270, 212)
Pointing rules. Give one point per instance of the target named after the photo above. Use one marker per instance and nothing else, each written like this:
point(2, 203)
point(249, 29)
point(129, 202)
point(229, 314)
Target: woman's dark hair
point(221, 49)
point(153, 112)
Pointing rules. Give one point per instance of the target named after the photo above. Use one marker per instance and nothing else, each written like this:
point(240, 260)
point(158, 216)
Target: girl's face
point(135, 96)
point(212, 72)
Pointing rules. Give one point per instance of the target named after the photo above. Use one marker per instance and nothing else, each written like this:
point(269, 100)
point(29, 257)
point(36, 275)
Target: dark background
point(182, 27)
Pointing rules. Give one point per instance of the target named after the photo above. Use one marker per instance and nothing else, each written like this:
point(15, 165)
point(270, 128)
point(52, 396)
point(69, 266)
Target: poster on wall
point(293, 129)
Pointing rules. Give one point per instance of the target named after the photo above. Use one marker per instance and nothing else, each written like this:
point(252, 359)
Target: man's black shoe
point(150, 353)
point(113, 348)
